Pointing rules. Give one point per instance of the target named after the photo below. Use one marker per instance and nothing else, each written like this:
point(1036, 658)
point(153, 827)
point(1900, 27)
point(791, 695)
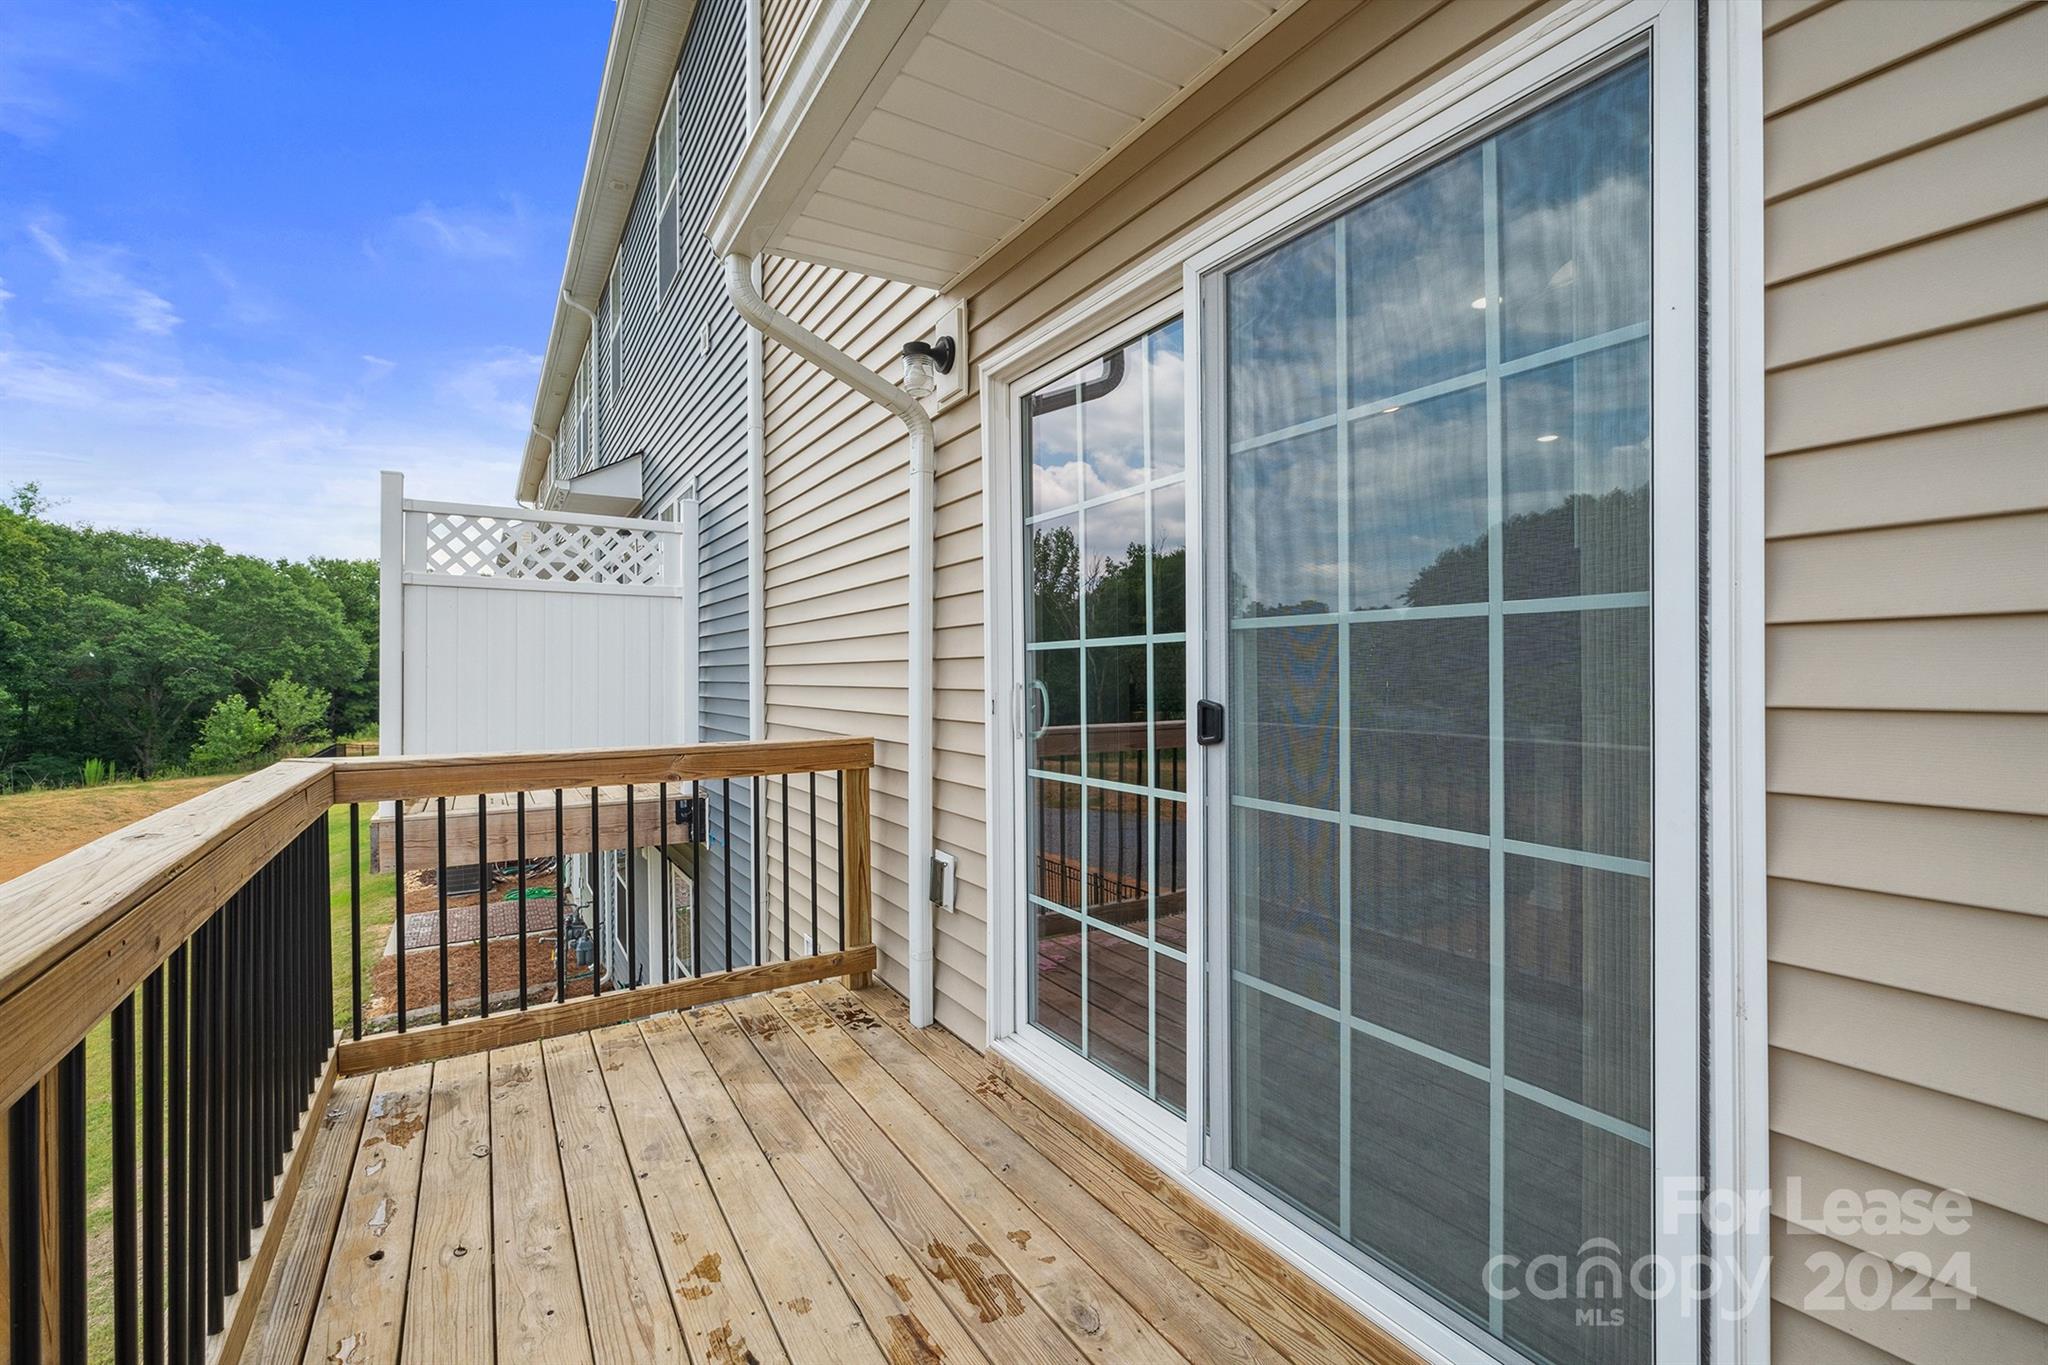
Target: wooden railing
point(179, 972)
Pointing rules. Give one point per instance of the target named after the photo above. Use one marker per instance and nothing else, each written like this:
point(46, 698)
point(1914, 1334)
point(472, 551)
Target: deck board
point(362, 1302)
point(791, 1177)
point(538, 1296)
point(632, 1317)
point(813, 1313)
point(451, 1246)
point(713, 1292)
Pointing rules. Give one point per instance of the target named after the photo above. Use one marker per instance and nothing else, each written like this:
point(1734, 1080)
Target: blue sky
point(251, 253)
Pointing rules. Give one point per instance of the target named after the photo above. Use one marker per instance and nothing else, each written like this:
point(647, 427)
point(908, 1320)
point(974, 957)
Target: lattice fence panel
point(461, 545)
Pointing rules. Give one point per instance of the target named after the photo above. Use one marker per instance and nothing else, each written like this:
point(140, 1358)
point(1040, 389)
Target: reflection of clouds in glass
point(1575, 215)
point(1415, 260)
point(1055, 440)
point(1113, 428)
point(1418, 492)
point(1168, 361)
point(1282, 501)
point(1582, 527)
point(1093, 444)
point(1283, 336)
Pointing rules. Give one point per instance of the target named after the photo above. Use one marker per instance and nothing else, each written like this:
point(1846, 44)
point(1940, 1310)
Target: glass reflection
point(1282, 501)
point(1055, 548)
point(1168, 376)
point(1576, 475)
point(1575, 215)
point(1418, 503)
point(1415, 259)
point(1283, 337)
point(1112, 568)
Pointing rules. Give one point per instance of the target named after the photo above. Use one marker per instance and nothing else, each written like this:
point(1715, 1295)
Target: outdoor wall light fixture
point(923, 363)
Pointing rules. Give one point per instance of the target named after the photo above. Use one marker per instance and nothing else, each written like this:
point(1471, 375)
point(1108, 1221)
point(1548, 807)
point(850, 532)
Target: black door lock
point(1208, 722)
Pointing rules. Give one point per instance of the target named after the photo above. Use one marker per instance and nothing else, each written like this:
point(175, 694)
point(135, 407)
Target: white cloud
point(261, 461)
point(46, 43)
point(498, 385)
point(98, 275)
point(467, 234)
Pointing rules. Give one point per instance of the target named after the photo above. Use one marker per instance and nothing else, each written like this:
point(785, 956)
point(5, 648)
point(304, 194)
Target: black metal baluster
point(839, 798)
point(220, 1198)
point(814, 872)
point(596, 901)
point(122, 1066)
point(520, 825)
point(234, 1075)
point(441, 888)
point(632, 900)
point(788, 872)
point(25, 1228)
point(273, 1048)
point(71, 1207)
point(561, 893)
point(177, 1170)
point(726, 819)
point(199, 1153)
point(756, 844)
point(483, 908)
point(398, 902)
point(667, 889)
point(355, 919)
point(153, 1167)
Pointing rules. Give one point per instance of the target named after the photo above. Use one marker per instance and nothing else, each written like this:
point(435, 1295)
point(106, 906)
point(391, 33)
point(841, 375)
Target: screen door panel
point(1435, 474)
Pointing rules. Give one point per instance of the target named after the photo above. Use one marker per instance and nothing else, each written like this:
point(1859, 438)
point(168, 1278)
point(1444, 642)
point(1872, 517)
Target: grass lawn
point(38, 826)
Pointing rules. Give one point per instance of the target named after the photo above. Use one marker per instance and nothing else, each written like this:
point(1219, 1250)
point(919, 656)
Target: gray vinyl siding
point(681, 398)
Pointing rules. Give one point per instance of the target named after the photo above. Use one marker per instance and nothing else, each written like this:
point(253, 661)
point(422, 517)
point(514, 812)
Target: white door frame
point(1166, 281)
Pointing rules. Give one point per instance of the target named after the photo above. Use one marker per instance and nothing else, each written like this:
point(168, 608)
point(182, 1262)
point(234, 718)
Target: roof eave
point(646, 42)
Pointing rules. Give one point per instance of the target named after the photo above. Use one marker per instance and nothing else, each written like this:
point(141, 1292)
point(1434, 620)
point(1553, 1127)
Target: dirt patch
point(38, 826)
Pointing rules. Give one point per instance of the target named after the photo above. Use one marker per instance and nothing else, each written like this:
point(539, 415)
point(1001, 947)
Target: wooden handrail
point(78, 934)
point(221, 906)
point(387, 779)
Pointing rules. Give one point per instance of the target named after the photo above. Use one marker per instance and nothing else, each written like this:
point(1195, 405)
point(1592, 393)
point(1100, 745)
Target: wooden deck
point(792, 1177)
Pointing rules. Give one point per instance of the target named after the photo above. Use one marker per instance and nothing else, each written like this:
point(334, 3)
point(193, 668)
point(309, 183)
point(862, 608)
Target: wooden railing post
point(860, 929)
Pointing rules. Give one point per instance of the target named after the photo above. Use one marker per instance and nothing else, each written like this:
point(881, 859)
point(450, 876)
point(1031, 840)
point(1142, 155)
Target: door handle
point(1208, 722)
point(1037, 709)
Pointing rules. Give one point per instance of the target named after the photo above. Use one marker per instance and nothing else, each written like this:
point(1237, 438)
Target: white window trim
point(1166, 278)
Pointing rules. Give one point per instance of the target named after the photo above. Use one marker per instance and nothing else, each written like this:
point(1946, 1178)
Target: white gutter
point(740, 287)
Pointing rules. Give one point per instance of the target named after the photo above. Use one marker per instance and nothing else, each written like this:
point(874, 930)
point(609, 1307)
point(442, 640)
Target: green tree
point(355, 584)
point(297, 714)
point(231, 734)
point(145, 669)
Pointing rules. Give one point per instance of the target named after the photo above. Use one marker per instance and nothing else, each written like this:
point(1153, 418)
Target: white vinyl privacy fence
point(505, 628)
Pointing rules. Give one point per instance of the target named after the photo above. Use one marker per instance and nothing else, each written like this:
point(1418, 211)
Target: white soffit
point(913, 138)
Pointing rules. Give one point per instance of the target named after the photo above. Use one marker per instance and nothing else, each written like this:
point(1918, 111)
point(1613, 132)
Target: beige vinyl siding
point(1906, 322)
point(837, 621)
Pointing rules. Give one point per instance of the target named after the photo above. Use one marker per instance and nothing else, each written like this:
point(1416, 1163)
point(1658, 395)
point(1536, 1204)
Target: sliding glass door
point(1430, 434)
point(1104, 753)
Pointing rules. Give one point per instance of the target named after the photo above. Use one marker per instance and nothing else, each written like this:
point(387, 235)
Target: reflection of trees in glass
point(1055, 580)
point(1590, 542)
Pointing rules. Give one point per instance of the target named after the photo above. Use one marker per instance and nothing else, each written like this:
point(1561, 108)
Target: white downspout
point(739, 286)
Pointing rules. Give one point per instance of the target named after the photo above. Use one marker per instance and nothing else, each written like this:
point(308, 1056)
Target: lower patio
point(793, 1176)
